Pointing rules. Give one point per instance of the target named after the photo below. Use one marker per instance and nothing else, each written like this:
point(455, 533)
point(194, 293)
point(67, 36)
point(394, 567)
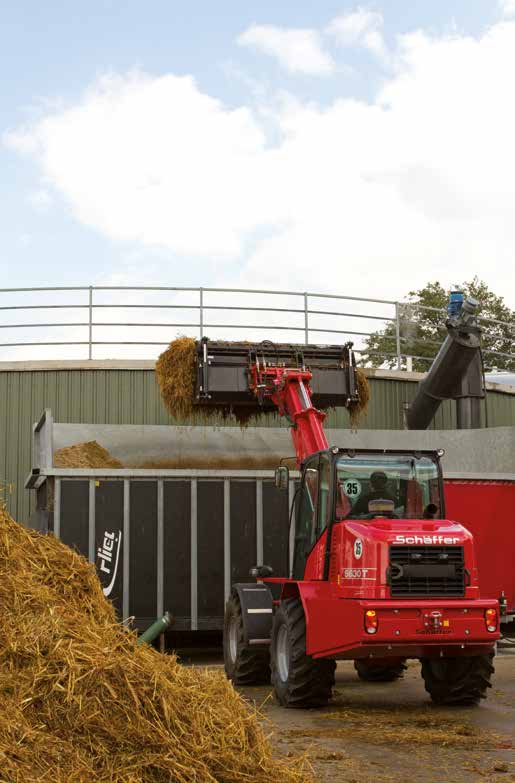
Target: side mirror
point(261, 572)
point(282, 477)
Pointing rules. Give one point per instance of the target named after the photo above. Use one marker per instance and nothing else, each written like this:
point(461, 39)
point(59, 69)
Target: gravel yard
point(390, 732)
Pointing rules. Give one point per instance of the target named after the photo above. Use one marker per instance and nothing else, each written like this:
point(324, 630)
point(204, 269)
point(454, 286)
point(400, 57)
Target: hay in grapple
point(358, 408)
point(176, 370)
point(85, 455)
point(80, 702)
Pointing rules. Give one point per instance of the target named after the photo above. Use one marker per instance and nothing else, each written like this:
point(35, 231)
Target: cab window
point(313, 510)
point(309, 505)
point(401, 486)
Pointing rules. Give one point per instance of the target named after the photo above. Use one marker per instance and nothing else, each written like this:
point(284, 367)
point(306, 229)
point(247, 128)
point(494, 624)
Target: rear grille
point(426, 570)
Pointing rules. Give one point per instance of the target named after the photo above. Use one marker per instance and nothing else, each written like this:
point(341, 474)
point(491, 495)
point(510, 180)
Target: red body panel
point(364, 576)
point(335, 608)
point(335, 626)
point(316, 560)
point(487, 510)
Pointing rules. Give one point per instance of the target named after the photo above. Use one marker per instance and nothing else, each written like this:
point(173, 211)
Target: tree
point(422, 331)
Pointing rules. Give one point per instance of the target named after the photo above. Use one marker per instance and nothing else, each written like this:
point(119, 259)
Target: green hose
point(155, 629)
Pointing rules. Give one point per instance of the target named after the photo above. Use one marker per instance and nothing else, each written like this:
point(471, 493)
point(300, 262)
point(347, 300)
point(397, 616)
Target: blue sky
point(55, 231)
point(53, 49)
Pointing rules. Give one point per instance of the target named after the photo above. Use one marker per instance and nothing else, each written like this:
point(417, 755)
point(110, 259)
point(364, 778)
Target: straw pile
point(85, 455)
point(80, 702)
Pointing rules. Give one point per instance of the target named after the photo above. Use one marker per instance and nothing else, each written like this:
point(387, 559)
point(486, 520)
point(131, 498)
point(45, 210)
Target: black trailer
point(174, 541)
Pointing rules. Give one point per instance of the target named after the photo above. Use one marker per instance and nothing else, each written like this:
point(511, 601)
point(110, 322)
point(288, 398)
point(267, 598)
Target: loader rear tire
point(243, 665)
point(298, 679)
point(380, 670)
point(457, 681)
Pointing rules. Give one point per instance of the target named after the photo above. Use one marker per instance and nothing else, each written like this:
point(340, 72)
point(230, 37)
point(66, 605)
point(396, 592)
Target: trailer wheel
point(298, 679)
point(380, 670)
point(243, 665)
point(458, 680)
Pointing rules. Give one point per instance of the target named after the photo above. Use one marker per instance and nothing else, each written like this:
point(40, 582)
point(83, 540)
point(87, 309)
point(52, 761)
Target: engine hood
point(410, 531)
point(362, 552)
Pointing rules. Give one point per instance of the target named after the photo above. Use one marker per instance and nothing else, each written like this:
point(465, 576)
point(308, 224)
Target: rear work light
point(370, 621)
point(491, 620)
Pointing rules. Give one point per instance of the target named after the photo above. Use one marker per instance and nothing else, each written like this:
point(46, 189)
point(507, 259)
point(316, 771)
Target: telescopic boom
point(295, 380)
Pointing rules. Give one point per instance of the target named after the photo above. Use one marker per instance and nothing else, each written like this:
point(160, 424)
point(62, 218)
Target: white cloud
point(24, 240)
point(297, 50)
point(146, 159)
point(361, 27)
point(367, 198)
point(507, 7)
point(40, 200)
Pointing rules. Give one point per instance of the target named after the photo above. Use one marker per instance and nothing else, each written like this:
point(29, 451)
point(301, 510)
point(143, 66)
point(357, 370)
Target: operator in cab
point(379, 481)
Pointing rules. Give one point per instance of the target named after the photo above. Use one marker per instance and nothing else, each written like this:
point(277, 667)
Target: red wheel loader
point(379, 575)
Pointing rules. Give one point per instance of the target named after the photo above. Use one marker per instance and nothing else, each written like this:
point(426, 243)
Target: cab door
point(312, 519)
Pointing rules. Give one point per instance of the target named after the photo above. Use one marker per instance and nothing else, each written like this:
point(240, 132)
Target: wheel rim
point(282, 653)
point(233, 638)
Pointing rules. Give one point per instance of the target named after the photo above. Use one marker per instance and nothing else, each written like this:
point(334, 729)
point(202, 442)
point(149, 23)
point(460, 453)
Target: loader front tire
point(455, 681)
point(298, 679)
point(380, 670)
point(243, 665)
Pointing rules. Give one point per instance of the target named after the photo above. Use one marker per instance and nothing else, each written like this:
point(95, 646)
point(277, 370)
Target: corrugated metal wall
point(120, 396)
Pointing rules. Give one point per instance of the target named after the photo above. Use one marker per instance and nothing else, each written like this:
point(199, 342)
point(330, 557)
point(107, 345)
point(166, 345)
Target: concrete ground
point(380, 733)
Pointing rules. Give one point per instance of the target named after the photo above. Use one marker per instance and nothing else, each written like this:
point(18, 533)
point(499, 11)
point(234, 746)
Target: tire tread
point(456, 681)
point(252, 667)
point(310, 681)
point(379, 671)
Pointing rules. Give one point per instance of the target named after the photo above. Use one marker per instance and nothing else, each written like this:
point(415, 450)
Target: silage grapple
point(235, 373)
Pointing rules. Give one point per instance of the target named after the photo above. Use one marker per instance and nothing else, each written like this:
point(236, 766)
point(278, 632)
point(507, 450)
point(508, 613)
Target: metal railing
point(291, 315)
